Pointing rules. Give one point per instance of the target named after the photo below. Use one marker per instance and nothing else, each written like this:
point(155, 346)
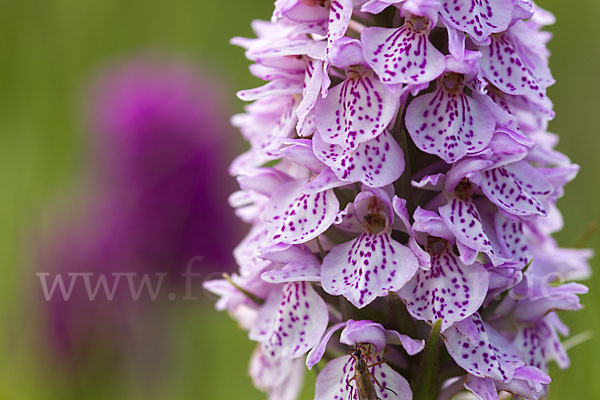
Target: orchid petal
point(450, 290)
point(377, 162)
point(367, 267)
point(355, 111)
point(294, 217)
point(488, 355)
point(291, 321)
point(478, 18)
point(449, 124)
point(517, 188)
point(402, 55)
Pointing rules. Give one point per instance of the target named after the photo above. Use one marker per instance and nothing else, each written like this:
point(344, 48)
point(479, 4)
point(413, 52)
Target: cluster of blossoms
point(401, 185)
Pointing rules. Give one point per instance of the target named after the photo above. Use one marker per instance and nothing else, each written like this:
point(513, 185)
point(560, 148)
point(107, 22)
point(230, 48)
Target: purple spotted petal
point(449, 124)
point(518, 188)
point(502, 65)
point(291, 321)
point(340, 13)
point(402, 55)
point(450, 290)
point(376, 163)
point(511, 237)
point(539, 343)
point(313, 81)
point(487, 354)
point(355, 111)
point(463, 220)
point(478, 18)
point(334, 381)
point(367, 267)
point(294, 217)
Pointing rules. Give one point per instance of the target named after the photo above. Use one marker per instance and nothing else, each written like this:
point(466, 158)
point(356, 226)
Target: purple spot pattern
point(502, 65)
point(340, 13)
point(463, 220)
point(450, 290)
point(333, 382)
point(355, 111)
point(402, 55)
point(375, 163)
point(518, 189)
point(310, 92)
point(292, 321)
point(512, 239)
point(539, 343)
point(367, 267)
point(246, 253)
point(449, 124)
point(486, 355)
point(303, 218)
point(478, 18)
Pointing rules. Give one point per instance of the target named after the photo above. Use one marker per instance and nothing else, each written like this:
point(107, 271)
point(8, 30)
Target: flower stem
point(425, 385)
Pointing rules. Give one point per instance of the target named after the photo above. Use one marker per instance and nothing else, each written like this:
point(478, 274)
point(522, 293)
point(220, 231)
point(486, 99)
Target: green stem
point(425, 385)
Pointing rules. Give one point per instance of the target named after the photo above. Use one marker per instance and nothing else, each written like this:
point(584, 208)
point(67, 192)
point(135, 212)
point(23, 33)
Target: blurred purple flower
point(162, 140)
point(157, 200)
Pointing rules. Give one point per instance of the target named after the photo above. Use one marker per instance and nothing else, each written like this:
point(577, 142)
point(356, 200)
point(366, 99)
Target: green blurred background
point(49, 50)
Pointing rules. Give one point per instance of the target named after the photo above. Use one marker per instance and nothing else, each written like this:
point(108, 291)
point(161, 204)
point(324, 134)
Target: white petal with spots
point(376, 163)
point(291, 321)
point(449, 124)
point(402, 55)
point(295, 217)
point(367, 267)
point(482, 352)
point(517, 188)
point(478, 18)
point(463, 220)
point(502, 65)
point(355, 111)
point(511, 237)
point(450, 290)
